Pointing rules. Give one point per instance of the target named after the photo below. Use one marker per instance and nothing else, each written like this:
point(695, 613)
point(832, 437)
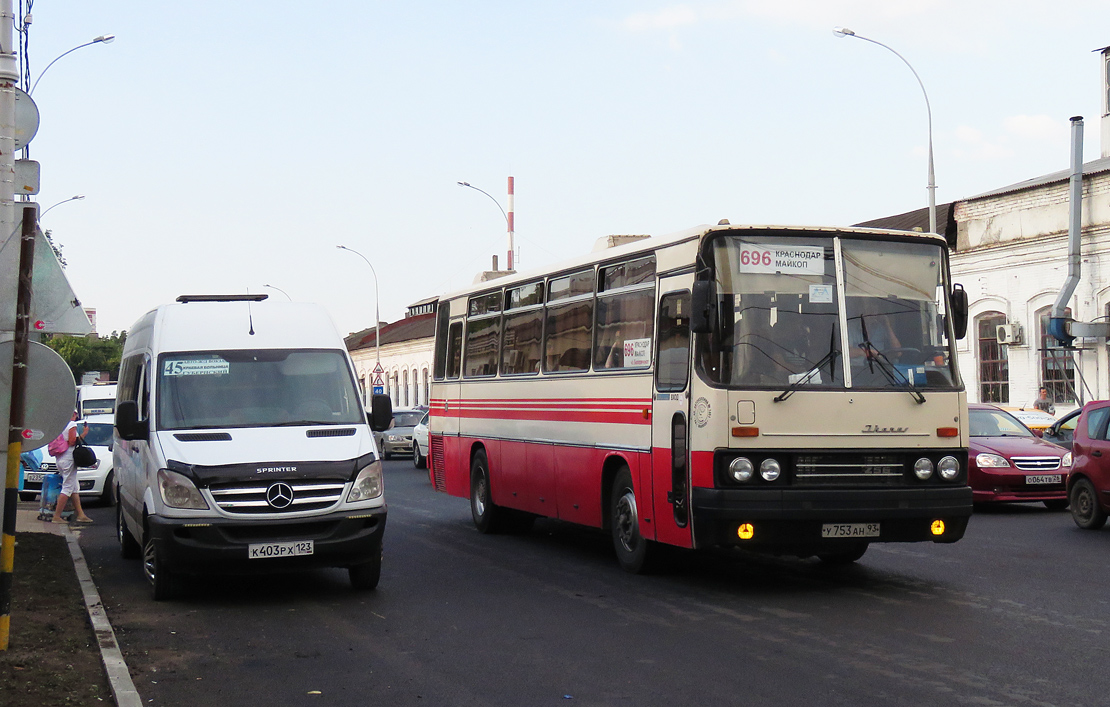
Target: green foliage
point(84, 354)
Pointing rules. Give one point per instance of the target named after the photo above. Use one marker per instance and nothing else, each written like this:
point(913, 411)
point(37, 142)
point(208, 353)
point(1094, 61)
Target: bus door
point(670, 414)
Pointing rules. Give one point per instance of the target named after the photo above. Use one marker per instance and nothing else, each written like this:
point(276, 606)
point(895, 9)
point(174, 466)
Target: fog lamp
point(937, 528)
point(745, 531)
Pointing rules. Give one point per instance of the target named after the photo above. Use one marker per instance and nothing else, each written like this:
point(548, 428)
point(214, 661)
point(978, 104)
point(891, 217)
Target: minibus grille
point(1036, 463)
point(848, 469)
point(331, 432)
point(275, 496)
point(435, 460)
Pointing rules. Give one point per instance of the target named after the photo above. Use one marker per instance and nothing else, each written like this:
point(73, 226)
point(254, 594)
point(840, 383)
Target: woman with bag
point(68, 469)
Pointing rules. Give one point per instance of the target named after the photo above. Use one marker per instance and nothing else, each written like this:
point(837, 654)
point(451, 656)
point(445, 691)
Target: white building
point(406, 356)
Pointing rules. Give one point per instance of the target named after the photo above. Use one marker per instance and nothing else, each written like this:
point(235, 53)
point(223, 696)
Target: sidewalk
point(123, 689)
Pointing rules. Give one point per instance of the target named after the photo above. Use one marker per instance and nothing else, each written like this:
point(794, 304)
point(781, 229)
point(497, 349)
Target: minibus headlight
point(923, 468)
point(368, 484)
point(770, 469)
point(179, 492)
point(948, 468)
point(741, 469)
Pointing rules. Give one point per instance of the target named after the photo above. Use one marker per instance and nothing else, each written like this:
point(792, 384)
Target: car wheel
point(635, 553)
point(386, 456)
point(108, 496)
point(418, 459)
point(487, 517)
point(1057, 504)
point(163, 584)
point(365, 576)
point(1085, 509)
point(128, 548)
point(843, 557)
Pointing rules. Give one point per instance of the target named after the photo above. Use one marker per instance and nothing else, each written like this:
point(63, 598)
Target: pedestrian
point(29, 462)
point(68, 470)
point(1044, 402)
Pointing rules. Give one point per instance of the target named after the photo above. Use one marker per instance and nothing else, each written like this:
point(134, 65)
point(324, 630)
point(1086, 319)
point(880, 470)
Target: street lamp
point(845, 32)
point(508, 221)
point(75, 197)
point(102, 39)
point(281, 291)
point(377, 317)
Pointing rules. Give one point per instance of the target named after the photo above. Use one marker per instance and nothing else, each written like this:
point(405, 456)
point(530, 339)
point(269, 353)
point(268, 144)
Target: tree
point(84, 354)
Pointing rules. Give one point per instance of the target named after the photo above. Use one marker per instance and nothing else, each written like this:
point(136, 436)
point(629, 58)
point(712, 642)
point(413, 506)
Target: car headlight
point(769, 469)
point(179, 492)
point(741, 469)
point(923, 468)
point(368, 484)
point(948, 468)
point(1066, 460)
point(991, 460)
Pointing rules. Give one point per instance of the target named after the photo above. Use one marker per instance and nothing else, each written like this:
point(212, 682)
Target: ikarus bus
point(781, 389)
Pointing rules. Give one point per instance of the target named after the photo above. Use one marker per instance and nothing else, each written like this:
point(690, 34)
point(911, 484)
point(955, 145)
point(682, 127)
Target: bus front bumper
point(807, 520)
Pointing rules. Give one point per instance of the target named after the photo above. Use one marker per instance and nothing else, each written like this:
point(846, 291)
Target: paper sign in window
point(196, 367)
point(637, 352)
point(794, 260)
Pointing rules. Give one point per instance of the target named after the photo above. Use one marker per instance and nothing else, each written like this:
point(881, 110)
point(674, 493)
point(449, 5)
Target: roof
point(1093, 167)
point(421, 326)
point(918, 220)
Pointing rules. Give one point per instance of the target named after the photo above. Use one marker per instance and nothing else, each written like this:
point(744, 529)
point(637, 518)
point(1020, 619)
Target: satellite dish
point(26, 119)
point(51, 393)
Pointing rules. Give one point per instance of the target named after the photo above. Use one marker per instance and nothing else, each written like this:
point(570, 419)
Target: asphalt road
point(1018, 613)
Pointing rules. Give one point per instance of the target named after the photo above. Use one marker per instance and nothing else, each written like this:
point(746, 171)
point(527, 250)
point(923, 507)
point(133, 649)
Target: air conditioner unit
point(1009, 334)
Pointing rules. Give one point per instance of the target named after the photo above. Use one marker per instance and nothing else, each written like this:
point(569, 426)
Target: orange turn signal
point(745, 431)
point(948, 432)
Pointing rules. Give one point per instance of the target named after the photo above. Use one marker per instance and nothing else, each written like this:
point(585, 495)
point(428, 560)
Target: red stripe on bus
point(615, 417)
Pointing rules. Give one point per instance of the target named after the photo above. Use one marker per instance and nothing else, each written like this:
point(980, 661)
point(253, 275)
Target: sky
point(225, 146)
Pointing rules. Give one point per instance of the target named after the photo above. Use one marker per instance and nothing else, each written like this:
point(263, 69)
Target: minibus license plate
point(266, 550)
point(850, 530)
point(1044, 479)
point(34, 476)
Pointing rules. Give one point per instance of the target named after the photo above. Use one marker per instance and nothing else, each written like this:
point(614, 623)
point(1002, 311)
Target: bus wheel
point(488, 518)
point(634, 553)
point(843, 557)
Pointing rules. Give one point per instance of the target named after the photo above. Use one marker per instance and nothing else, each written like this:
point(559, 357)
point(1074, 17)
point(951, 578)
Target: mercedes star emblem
point(279, 495)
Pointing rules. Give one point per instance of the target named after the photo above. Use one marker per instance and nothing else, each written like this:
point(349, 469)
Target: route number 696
point(755, 257)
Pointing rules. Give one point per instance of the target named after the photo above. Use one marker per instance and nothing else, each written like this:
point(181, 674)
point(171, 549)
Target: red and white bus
point(782, 389)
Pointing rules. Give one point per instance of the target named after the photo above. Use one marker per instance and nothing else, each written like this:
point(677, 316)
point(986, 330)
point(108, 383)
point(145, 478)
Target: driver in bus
point(880, 332)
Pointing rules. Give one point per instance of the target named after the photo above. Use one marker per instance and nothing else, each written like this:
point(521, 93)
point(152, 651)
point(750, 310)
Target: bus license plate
point(267, 550)
point(35, 476)
point(1044, 479)
point(850, 530)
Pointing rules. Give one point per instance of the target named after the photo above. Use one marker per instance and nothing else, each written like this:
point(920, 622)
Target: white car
point(420, 443)
point(95, 481)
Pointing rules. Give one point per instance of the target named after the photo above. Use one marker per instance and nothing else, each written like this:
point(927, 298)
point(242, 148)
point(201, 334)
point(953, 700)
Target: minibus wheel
point(128, 548)
point(366, 575)
point(162, 582)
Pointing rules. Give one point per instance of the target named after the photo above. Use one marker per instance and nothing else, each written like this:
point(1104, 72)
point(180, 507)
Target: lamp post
point(377, 317)
point(508, 218)
point(845, 32)
point(281, 291)
point(75, 197)
point(102, 39)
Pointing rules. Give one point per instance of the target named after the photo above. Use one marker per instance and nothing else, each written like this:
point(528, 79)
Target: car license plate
point(850, 530)
point(1044, 479)
point(35, 476)
point(267, 550)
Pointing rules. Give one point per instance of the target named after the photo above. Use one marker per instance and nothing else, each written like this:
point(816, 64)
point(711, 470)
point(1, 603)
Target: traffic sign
point(379, 390)
point(378, 368)
point(378, 380)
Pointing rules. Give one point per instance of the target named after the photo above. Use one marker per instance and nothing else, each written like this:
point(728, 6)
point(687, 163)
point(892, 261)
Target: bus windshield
point(787, 305)
point(253, 388)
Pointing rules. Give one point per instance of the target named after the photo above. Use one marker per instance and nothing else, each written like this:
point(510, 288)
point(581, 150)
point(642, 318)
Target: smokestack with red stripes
point(510, 215)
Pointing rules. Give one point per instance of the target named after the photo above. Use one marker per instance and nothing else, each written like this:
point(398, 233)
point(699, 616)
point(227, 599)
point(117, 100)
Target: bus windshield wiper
point(829, 358)
point(889, 370)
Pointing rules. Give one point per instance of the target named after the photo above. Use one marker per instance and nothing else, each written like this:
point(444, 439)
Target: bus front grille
point(848, 469)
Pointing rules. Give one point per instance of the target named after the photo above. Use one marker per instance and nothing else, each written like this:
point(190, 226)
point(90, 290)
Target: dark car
point(1089, 481)
point(1062, 431)
point(1008, 463)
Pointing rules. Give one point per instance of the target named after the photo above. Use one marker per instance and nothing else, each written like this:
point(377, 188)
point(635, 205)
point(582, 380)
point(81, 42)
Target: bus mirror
point(381, 412)
point(703, 303)
point(128, 424)
point(958, 300)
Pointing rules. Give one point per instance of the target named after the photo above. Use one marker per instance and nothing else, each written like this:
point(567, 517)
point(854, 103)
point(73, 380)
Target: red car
point(1089, 481)
point(1007, 462)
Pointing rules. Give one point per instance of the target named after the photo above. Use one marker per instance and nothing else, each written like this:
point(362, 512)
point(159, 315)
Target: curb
point(123, 688)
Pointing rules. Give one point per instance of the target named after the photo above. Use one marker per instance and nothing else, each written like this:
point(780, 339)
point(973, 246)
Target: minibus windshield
point(255, 388)
point(787, 306)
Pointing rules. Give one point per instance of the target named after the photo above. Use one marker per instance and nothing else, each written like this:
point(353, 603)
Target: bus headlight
point(991, 461)
point(368, 484)
point(923, 468)
point(179, 492)
point(741, 469)
point(770, 469)
point(948, 468)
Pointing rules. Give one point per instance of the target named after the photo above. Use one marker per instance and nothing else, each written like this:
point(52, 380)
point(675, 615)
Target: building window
point(406, 379)
point(427, 393)
point(994, 365)
point(1057, 364)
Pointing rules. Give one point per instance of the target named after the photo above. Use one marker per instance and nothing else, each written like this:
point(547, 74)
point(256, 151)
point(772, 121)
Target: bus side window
point(454, 349)
point(672, 371)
